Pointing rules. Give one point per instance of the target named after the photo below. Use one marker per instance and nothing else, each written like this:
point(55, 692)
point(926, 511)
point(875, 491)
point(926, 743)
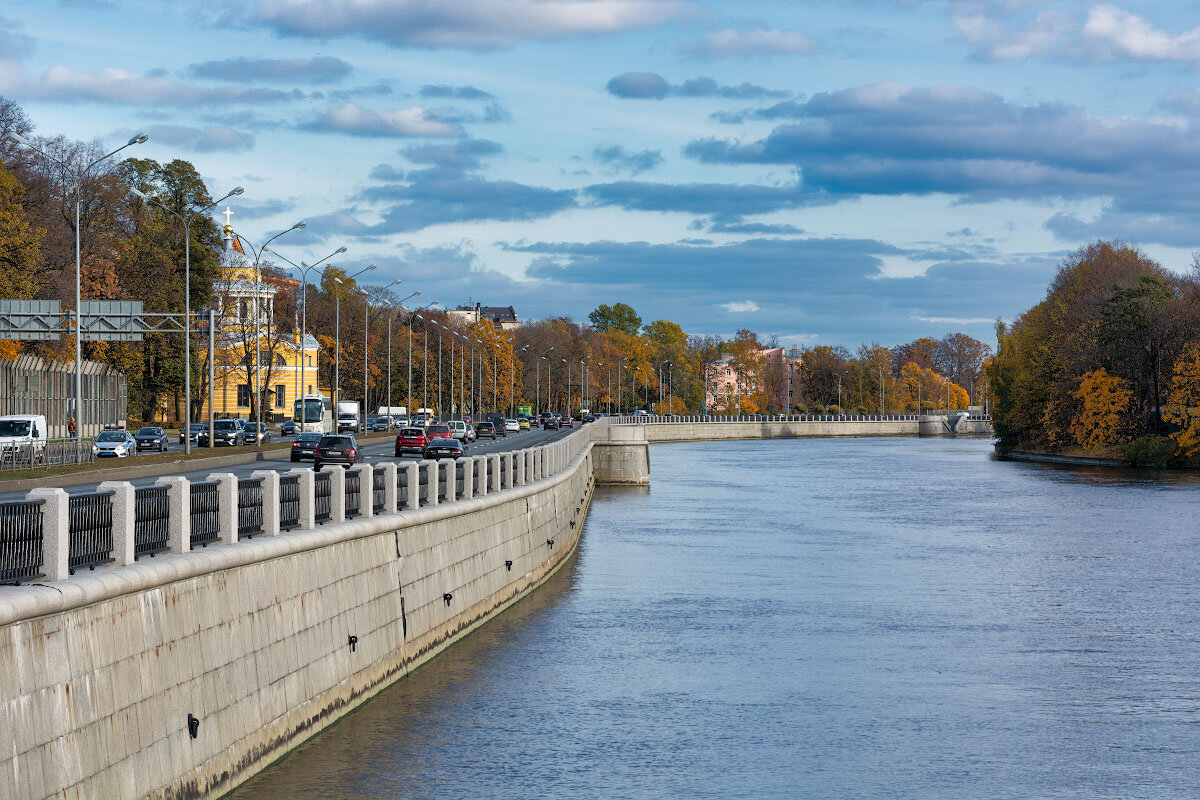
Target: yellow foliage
point(917, 383)
point(1104, 402)
point(1183, 404)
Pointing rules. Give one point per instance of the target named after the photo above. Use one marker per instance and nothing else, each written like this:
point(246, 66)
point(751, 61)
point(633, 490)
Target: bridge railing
point(644, 419)
point(52, 533)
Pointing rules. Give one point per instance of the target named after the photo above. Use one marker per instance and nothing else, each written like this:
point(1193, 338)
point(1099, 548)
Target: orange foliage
point(917, 383)
point(1104, 404)
point(1183, 404)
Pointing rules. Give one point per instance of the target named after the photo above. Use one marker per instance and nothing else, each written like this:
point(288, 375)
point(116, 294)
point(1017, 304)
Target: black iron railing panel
point(460, 480)
point(151, 520)
point(289, 502)
point(250, 507)
point(378, 489)
point(401, 489)
point(322, 497)
point(353, 494)
point(423, 487)
point(21, 541)
point(90, 532)
point(205, 513)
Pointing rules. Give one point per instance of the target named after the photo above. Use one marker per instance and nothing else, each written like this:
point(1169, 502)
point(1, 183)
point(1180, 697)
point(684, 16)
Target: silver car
point(114, 444)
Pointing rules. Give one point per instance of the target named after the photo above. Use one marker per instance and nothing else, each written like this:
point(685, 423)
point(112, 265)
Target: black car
point(550, 423)
point(379, 424)
point(194, 431)
point(336, 448)
point(151, 439)
point(288, 428)
point(226, 433)
point(305, 446)
point(497, 419)
point(487, 429)
point(442, 447)
point(264, 435)
point(588, 418)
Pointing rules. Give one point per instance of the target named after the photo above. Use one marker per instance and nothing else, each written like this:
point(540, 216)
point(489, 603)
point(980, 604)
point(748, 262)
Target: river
point(866, 618)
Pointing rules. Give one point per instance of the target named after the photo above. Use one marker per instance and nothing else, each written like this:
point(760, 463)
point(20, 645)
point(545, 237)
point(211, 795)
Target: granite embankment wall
point(262, 642)
point(711, 429)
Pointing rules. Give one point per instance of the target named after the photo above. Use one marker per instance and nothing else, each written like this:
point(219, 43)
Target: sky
point(821, 172)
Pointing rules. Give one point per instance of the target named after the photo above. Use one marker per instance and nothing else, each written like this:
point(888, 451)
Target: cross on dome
point(228, 212)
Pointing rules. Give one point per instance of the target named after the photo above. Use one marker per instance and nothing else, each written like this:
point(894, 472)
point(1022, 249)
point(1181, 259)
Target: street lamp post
point(568, 408)
point(512, 381)
point(366, 333)
point(21, 140)
point(337, 346)
point(187, 304)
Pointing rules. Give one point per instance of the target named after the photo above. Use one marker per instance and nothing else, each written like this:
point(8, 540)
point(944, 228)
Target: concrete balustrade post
point(389, 487)
point(124, 520)
point(519, 467)
point(179, 511)
point(412, 480)
point(337, 494)
point(308, 499)
point(481, 474)
point(227, 506)
point(56, 532)
point(468, 477)
point(269, 480)
point(432, 473)
point(447, 478)
point(366, 488)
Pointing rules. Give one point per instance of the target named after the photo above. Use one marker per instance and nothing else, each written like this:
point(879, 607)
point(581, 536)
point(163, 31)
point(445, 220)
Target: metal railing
point(151, 514)
point(353, 493)
point(378, 489)
point(402, 489)
point(250, 507)
point(205, 513)
point(21, 541)
point(289, 502)
point(460, 480)
point(90, 531)
point(15, 457)
point(322, 497)
point(649, 418)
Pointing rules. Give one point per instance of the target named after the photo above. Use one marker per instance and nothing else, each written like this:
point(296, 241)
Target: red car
point(439, 432)
point(411, 440)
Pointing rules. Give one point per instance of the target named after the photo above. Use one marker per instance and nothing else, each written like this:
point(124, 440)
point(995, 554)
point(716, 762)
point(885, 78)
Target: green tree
point(617, 317)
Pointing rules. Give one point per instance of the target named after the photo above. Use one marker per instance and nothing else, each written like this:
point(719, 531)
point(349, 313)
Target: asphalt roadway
point(373, 453)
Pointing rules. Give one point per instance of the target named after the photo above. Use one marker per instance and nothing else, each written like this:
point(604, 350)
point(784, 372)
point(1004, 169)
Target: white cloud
point(110, 85)
point(764, 41)
point(956, 320)
point(993, 41)
point(352, 119)
point(740, 306)
point(472, 24)
point(210, 138)
point(1111, 32)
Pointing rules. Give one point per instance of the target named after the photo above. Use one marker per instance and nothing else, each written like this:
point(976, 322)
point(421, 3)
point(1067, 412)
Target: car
point(459, 430)
point(336, 448)
point(151, 439)
point(252, 430)
point(114, 444)
point(550, 423)
point(193, 431)
point(497, 419)
point(589, 418)
point(443, 447)
point(305, 446)
point(523, 423)
point(466, 418)
point(226, 433)
point(566, 420)
point(486, 429)
point(512, 425)
point(288, 428)
point(410, 440)
point(439, 430)
point(379, 424)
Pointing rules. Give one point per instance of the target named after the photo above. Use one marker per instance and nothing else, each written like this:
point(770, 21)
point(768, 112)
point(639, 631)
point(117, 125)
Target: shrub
point(1158, 451)
point(800, 408)
point(835, 409)
point(860, 411)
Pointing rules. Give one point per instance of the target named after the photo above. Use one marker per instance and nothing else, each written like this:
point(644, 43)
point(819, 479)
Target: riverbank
point(1079, 460)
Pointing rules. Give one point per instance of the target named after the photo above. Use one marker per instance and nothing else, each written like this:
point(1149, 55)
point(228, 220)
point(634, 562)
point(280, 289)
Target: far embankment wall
point(716, 431)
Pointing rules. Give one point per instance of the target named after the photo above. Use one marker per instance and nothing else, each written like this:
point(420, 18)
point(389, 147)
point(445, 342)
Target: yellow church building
point(287, 366)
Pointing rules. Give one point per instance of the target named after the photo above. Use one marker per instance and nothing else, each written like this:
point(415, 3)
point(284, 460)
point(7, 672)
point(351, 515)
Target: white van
point(461, 431)
point(23, 432)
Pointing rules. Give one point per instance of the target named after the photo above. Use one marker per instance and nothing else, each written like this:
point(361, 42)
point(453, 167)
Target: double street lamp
point(21, 140)
point(538, 382)
point(337, 327)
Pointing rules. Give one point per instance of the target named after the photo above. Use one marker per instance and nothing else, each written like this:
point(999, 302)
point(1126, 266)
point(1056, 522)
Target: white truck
point(347, 416)
point(23, 437)
point(397, 416)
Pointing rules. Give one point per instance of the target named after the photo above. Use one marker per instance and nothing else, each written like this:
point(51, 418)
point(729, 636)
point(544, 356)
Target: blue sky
point(827, 172)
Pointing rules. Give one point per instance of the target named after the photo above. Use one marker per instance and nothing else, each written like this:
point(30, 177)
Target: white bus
point(313, 414)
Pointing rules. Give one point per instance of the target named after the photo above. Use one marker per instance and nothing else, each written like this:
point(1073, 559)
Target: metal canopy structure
point(31, 320)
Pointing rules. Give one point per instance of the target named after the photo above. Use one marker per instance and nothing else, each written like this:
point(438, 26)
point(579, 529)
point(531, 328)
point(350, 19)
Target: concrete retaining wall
point(772, 429)
point(263, 642)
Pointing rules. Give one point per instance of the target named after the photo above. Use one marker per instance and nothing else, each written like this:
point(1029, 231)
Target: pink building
point(723, 387)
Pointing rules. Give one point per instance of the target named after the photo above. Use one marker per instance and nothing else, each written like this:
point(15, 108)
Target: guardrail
point(641, 419)
point(51, 534)
point(15, 457)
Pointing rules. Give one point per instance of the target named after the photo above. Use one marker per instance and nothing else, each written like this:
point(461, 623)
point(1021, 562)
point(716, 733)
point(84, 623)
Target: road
point(373, 453)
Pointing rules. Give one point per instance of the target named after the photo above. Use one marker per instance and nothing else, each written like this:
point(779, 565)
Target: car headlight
point(95, 450)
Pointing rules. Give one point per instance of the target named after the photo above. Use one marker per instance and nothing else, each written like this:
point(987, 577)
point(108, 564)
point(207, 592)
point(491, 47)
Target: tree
point(617, 317)
point(1183, 403)
point(1104, 402)
point(20, 242)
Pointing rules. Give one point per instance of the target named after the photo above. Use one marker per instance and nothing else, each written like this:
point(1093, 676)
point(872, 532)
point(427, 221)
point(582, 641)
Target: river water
point(867, 618)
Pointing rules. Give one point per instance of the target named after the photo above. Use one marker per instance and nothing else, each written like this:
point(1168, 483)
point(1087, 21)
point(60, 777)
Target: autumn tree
point(1183, 403)
point(1104, 402)
point(617, 317)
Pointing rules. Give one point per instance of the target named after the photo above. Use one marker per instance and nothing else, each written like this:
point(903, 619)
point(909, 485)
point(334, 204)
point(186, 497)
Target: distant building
point(503, 317)
point(724, 388)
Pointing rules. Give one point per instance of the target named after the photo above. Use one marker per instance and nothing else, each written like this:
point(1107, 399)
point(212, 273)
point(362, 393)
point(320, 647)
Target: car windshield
point(335, 441)
point(149, 432)
point(198, 427)
point(446, 443)
point(14, 427)
point(309, 437)
point(412, 432)
point(439, 429)
point(111, 436)
point(226, 425)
